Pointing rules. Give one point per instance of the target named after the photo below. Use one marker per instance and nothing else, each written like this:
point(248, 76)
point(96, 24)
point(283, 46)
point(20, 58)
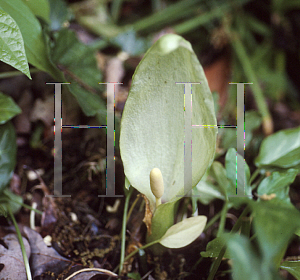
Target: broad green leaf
point(214, 247)
point(292, 267)
point(8, 152)
point(31, 30)
point(83, 75)
point(162, 220)
point(8, 108)
point(282, 149)
point(184, 232)
point(233, 159)
point(78, 63)
point(247, 264)
point(278, 183)
point(12, 44)
point(40, 8)
point(152, 126)
point(275, 222)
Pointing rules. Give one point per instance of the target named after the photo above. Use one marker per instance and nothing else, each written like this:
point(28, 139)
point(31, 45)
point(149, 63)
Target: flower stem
point(123, 234)
point(26, 262)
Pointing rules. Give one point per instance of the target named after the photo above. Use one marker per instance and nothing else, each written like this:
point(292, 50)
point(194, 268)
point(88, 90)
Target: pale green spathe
point(152, 125)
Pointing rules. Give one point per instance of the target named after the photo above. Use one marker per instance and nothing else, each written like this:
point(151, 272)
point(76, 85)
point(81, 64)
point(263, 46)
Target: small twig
point(105, 271)
point(147, 274)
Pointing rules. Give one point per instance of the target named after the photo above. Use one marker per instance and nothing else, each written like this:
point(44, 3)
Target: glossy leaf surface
point(12, 49)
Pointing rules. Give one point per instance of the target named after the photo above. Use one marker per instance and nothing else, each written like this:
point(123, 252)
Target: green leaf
point(12, 44)
point(233, 159)
point(31, 30)
point(11, 200)
point(218, 172)
point(184, 232)
point(274, 223)
point(134, 275)
point(207, 192)
point(78, 62)
point(282, 149)
point(8, 108)
point(214, 247)
point(8, 151)
point(278, 183)
point(292, 267)
point(161, 225)
point(247, 264)
point(40, 8)
point(152, 126)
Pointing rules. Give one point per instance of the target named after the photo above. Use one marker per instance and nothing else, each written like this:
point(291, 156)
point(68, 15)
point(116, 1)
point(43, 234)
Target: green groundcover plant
point(152, 150)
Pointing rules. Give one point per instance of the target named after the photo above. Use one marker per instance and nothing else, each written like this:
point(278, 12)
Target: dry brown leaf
point(43, 258)
point(148, 215)
point(11, 257)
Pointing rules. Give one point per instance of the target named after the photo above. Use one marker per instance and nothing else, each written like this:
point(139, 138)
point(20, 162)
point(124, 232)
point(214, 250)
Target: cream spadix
point(157, 184)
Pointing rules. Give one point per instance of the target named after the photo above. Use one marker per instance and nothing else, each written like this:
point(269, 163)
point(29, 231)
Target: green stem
point(205, 17)
point(29, 207)
point(135, 251)
point(6, 200)
point(123, 238)
point(131, 208)
point(234, 229)
point(252, 78)
point(26, 262)
point(166, 16)
point(11, 74)
point(212, 220)
point(115, 9)
point(196, 264)
point(254, 175)
point(216, 264)
point(223, 219)
point(141, 248)
point(199, 20)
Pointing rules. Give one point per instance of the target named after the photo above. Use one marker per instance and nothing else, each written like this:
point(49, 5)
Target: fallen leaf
point(11, 257)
